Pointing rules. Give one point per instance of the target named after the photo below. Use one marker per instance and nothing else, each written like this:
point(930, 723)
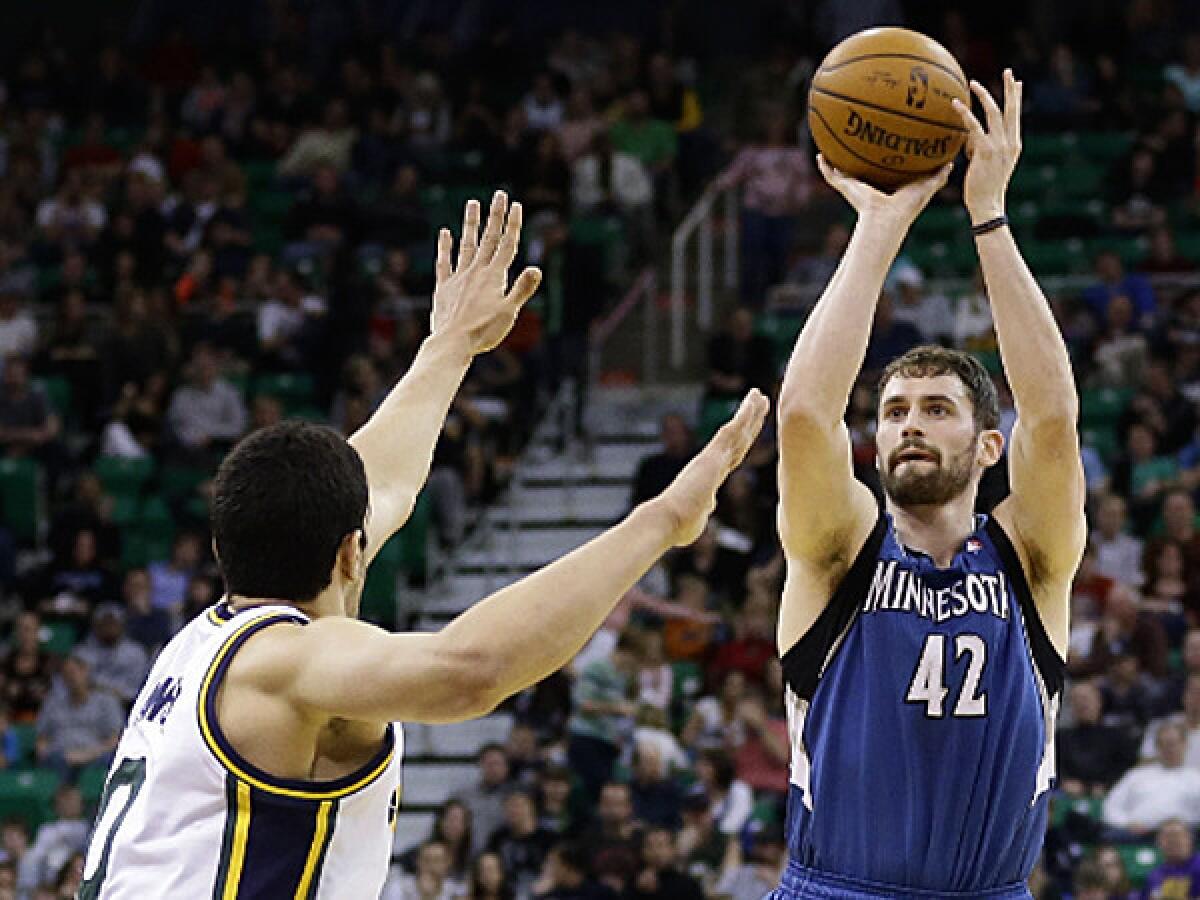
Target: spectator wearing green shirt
point(649, 140)
point(603, 714)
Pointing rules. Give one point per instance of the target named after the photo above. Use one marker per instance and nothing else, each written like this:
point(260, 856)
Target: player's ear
point(991, 447)
point(349, 556)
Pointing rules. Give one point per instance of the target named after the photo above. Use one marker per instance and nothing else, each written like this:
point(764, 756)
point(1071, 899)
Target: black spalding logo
point(918, 87)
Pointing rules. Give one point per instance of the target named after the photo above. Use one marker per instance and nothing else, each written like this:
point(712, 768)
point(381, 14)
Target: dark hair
point(283, 501)
point(724, 771)
point(574, 855)
point(460, 852)
point(505, 892)
point(930, 360)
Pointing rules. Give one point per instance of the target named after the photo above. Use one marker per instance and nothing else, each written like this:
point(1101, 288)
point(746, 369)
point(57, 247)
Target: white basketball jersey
point(184, 815)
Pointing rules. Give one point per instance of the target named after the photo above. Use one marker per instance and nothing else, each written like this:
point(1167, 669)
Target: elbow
point(473, 683)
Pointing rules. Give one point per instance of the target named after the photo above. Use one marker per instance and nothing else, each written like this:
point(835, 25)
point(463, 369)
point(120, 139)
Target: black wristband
point(989, 225)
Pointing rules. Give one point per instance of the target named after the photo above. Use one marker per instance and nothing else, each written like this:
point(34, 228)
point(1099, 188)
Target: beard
point(914, 484)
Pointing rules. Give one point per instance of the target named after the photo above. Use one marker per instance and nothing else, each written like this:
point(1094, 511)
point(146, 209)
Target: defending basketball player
point(261, 759)
point(924, 645)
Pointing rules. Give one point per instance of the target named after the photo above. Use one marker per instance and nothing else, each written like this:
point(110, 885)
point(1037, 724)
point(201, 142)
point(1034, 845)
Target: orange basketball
point(879, 108)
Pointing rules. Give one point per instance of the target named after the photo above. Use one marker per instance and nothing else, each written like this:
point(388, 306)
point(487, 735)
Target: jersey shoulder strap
point(805, 660)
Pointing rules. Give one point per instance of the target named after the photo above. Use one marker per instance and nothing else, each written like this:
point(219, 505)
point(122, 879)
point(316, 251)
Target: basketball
point(879, 107)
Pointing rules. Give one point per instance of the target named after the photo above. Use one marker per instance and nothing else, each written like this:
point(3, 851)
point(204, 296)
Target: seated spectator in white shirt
point(56, 840)
point(208, 411)
point(78, 726)
point(1149, 795)
point(1189, 718)
point(18, 330)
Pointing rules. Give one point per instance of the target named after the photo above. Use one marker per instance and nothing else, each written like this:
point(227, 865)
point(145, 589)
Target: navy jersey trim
point(234, 762)
point(805, 659)
point(1045, 656)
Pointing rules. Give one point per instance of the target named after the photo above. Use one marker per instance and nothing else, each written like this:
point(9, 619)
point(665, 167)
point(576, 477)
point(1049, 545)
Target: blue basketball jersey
point(921, 710)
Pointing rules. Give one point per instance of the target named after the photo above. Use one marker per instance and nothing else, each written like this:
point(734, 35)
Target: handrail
point(643, 292)
point(699, 222)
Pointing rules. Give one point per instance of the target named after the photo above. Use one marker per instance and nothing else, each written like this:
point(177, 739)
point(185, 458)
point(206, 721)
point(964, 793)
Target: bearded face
point(918, 474)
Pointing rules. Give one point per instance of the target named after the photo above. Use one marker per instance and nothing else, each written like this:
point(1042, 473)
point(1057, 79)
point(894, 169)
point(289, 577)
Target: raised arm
point(1044, 513)
point(512, 639)
point(472, 313)
point(825, 513)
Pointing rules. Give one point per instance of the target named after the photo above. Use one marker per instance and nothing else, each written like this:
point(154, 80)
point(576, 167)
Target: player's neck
point(326, 603)
point(936, 530)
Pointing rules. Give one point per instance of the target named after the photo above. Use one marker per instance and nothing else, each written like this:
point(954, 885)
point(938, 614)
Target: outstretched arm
point(1048, 490)
point(342, 667)
point(824, 510)
point(471, 315)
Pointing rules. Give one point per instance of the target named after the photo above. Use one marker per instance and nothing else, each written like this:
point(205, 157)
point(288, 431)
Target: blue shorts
point(800, 883)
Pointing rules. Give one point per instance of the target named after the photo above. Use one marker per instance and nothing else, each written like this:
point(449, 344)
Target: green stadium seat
point(28, 795)
point(123, 476)
point(26, 735)
point(58, 637)
point(1102, 406)
point(782, 331)
point(125, 509)
point(713, 414)
point(1104, 441)
point(294, 391)
point(1187, 244)
point(179, 482)
point(687, 682)
point(1079, 179)
point(1054, 147)
point(21, 496)
point(1105, 146)
point(270, 206)
point(259, 174)
point(91, 784)
point(1055, 257)
point(942, 223)
point(414, 537)
point(58, 394)
point(378, 602)
point(1139, 860)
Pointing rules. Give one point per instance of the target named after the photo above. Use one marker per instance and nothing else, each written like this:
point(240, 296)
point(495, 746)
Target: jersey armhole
point(1045, 656)
point(806, 659)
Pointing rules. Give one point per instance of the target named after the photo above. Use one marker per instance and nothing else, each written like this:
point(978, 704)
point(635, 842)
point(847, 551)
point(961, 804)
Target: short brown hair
point(930, 360)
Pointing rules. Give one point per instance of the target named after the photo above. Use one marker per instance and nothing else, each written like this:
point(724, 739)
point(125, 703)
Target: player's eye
point(894, 412)
point(937, 409)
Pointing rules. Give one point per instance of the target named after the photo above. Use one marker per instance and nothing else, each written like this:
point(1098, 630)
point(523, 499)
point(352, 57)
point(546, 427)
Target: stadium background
point(213, 215)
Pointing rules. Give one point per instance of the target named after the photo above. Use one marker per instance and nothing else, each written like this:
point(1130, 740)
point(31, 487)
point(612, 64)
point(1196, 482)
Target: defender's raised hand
point(692, 496)
point(470, 299)
point(993, 153)
point(899, 208)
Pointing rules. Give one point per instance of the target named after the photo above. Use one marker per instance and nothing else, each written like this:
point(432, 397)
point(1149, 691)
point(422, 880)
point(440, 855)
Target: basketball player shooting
point(924, 645)
point(260, 759)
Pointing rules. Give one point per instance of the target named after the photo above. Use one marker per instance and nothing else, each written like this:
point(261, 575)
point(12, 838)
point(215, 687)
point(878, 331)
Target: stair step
point(535, 547)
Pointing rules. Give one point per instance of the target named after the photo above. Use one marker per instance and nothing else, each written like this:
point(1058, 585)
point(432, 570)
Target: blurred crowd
point(197, 240)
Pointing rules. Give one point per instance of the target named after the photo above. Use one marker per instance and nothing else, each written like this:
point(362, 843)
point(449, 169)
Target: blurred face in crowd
point(454, 822)
point(1171, 744)
point(616, 806)
point(75, 674)
point(1086, 703)
point(433, 860)
point(1191, 651)
point(27, 628)
point(648, 764)
point(493, 767)
point(489, 872)
point(555, 791)
point(16, 374)
point(676, 438)
point(658, 851)
point(1179, 514)
point(1119, 314)
point(1110, 517)
point(522, 742)
point(520, 814)
point(1191, 700)
point(1176, 843)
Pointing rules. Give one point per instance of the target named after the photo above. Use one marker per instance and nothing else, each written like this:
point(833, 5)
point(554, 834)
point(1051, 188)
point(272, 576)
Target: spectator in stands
point(542, 105)
point(207, 415)
point(714, 718)
point(614, 837)
point(432, 880)
point(927, 311)
point(762, 754)
point(656, 471)
point(524, 755)
point(649, 140)
point(603, 714)
point(1185, 74)
point(1168, 592)
point(28, 425)
point(730, 801)
point(814, 271)
point(890, 337)
point(71, 218)
point(701, 844)
point(27, 669)
point(18, 330)
point(1188, 718)
point(485, 801)
point(1179, 525)
point(488, 880)
point(658, 877)
point(1113, 281)
point(1092, 755)
point(57, 840)
point(753, 643)
point(656, 797)
point(738, 359)
point(521, 843)
point(1144, 474)
point(74, 586)
point(567, 876)
point(169, 579)
point(1138, 195)
point(580, 124)
point(14, 842)
point(145, 623)
point(1118, 554)
point(1160, 405)
point(117, 663)
point(608, 183)
point(760, 872)
point(1148, 796)
point(78, 726)
point(1090, 882)
point(1119, 352)
point(1163, 258)
point(1130, 695)
point(554, 795)
point(1179, 873)
point(776, 179)
point(290, 325)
